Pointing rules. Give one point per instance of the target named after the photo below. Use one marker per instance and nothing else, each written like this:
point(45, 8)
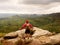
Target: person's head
point(27, 21)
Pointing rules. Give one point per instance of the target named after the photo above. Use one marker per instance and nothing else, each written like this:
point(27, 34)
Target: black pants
point(28, 31)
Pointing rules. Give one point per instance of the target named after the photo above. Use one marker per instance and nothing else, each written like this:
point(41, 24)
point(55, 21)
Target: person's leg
point(29, 35)
point(25, 35)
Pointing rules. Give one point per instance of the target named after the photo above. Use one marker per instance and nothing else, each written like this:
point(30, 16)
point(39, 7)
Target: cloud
point(31, 9)
point(13, 6)
point(29, 1)
point(39, 1)
point(51, 10)
point(19, 9)
point(4, 0)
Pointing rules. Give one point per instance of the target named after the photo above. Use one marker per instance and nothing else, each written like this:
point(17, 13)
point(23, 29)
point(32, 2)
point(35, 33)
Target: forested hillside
point(49, 22)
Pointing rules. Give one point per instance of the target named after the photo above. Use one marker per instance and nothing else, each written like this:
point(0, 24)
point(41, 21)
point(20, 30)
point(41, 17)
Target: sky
point(30, 6)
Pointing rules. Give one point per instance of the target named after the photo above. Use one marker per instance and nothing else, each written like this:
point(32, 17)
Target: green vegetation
point(0, 44)
point(49, 22)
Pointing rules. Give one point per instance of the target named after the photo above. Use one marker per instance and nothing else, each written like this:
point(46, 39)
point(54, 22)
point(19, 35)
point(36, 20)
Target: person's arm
point(31, 26)
point(23, 26)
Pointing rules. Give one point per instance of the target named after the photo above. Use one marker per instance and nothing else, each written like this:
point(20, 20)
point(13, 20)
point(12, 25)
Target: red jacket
point(26, 24)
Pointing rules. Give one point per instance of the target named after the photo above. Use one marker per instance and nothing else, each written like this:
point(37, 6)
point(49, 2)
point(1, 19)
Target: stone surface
point(40, 37)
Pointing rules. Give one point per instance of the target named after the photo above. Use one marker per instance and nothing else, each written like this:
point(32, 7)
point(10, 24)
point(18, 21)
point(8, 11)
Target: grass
point(2, 34)
point(0, 44)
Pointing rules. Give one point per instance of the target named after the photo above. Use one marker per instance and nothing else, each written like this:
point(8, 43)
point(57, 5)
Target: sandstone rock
point(40, 32)
point(10, 41)
point(55, 38)
point(35, 42)
point(40, 37)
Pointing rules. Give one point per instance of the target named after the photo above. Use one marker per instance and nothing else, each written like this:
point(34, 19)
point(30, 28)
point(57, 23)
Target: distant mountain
point(27, 15)
point(35, 15)
point(3, 15)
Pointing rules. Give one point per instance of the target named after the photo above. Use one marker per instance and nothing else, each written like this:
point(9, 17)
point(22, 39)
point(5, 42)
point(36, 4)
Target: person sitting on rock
point(29, 29)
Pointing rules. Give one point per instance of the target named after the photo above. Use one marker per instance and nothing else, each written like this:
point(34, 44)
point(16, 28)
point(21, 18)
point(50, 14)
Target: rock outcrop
point(40, 37)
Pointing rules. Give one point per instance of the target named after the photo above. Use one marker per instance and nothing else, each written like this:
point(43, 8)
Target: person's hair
point(27, 21)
